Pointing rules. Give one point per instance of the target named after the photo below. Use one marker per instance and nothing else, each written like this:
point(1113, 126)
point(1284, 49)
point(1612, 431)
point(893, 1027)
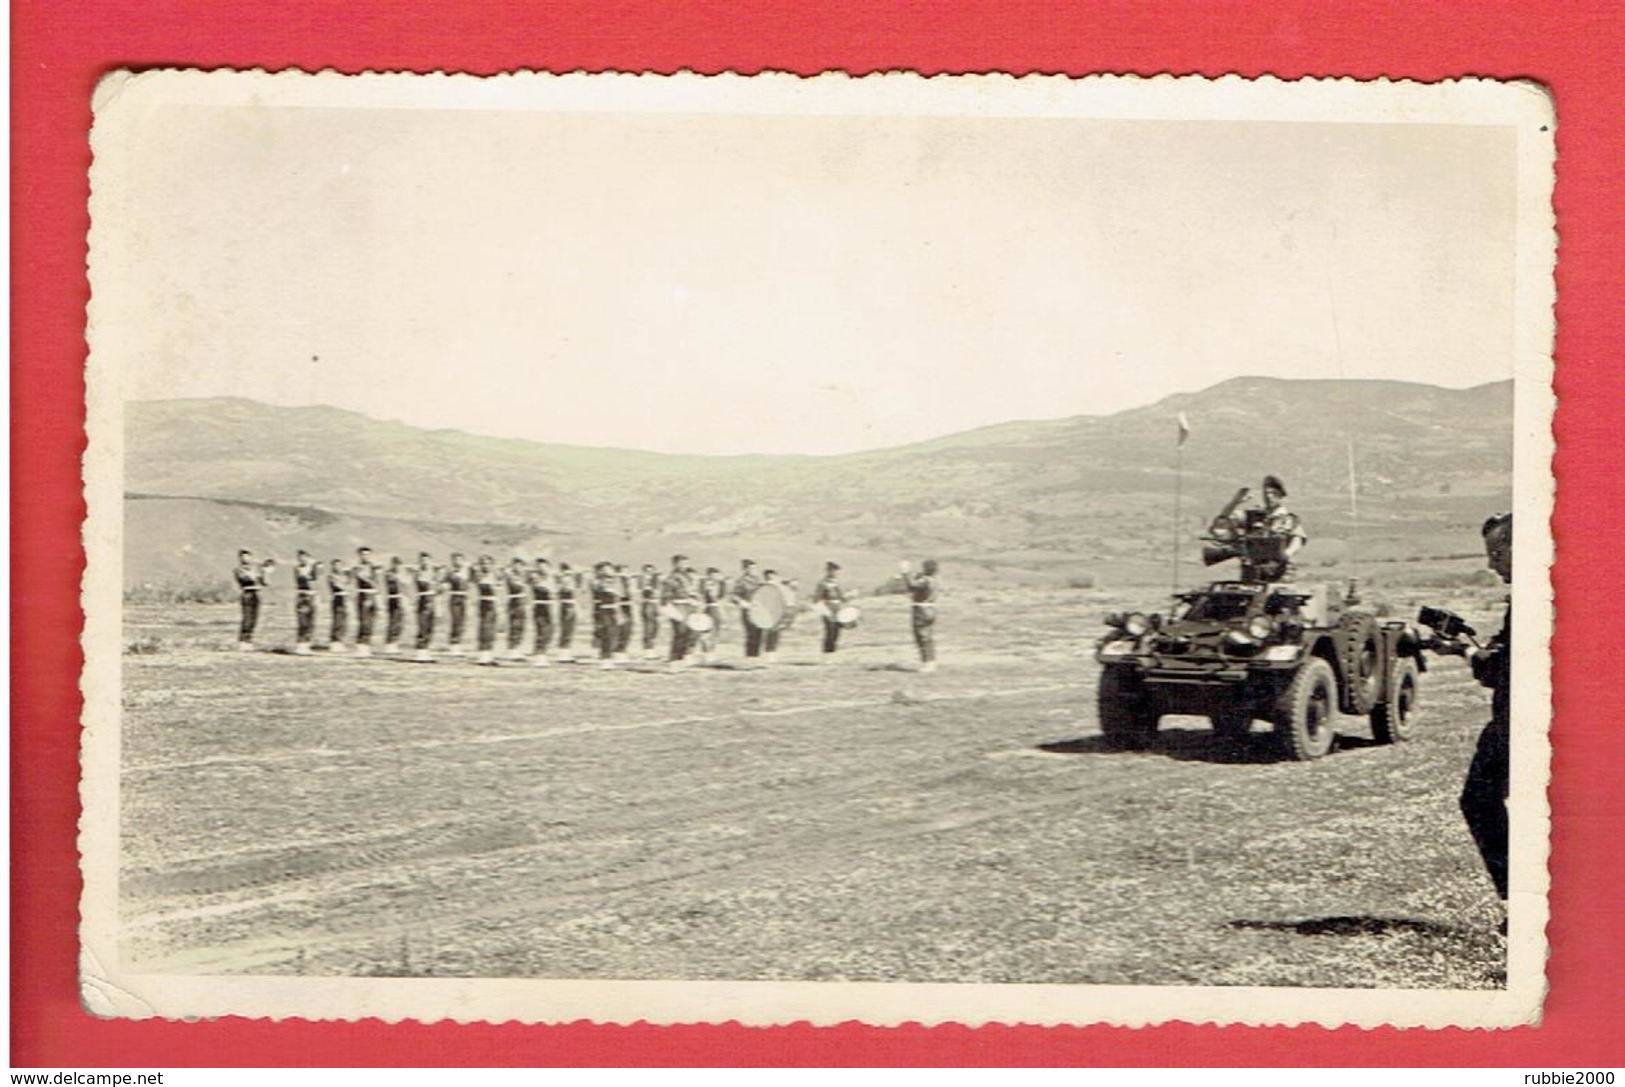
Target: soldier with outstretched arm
point(457, 581)
point(366, 599)
point(485, 582)
point(922, 592)
point(338, 588)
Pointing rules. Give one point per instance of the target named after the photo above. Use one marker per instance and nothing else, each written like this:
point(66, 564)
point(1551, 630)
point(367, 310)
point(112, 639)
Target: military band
point(540, 603)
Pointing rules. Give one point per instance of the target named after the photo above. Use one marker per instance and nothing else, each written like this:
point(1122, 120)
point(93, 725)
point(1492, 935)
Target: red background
point(58, 51)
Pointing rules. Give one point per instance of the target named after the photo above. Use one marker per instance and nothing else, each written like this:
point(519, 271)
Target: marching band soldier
point(713, 591)
point(426, 582)
point(365, 575)
point(829, 595)
point(624, 607)
point(457, 581)
point(606, 605)
point(770, 638)
point(649, 609)
point(746, 583)
point(677, 592)
point(541, 604)
point(306, 573)
point(922, 591)
point(338, 587)
point(569, 585)
point(516, 581)
point(485, 580)
point(394, 605)
point(251, 580)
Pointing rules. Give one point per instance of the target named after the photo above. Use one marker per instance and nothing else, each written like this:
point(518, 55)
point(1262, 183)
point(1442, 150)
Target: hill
point(1063, 498)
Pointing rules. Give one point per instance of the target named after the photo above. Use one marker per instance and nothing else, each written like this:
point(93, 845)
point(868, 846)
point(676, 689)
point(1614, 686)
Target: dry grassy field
point(844, 818)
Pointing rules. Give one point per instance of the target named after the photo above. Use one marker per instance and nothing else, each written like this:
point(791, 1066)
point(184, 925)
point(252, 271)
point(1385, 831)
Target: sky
point(721, 283)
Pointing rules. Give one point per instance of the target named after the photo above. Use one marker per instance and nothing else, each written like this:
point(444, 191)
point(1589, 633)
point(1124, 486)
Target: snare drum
point(847, 615)
point(700, 623)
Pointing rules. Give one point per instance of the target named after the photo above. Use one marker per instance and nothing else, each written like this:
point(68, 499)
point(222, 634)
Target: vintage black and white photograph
point(763, 548)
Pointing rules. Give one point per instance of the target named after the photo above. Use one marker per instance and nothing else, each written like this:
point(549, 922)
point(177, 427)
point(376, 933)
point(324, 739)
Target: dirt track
point(847, 819)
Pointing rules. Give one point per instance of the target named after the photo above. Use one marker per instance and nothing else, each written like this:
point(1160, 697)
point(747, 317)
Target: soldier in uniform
point(829, 595)
point(394, 605)
point(606, 603)
point(569, 587)
point(541, 606)
point(338, 587)
point(770, 638)
point(713, 590)
point(922, 591)
point(457, 580)
point(516, 581)
point(251, 581)
point(306, 573)
point(677, 592)
point(649, 609)
point(1484, 794)
point(485, 581)
point(365, 575)
point(746, 583)
point(426, 581)
point(626, 604)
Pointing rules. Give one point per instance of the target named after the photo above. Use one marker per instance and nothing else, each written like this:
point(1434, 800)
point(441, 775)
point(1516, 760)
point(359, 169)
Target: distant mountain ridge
point(1426, 458)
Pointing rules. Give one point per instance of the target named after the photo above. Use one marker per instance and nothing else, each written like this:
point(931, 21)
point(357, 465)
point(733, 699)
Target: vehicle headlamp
point(1136, 624)
point(1260, 627)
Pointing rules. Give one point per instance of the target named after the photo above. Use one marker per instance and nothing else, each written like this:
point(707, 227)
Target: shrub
point(141, 647)
point(1083, 581)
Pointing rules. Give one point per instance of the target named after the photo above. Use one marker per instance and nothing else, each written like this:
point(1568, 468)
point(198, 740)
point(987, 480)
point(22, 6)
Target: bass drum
point(770, 607)
point(699, 622)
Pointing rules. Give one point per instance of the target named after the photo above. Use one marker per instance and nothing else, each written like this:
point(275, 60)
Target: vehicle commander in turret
point(1264, 537)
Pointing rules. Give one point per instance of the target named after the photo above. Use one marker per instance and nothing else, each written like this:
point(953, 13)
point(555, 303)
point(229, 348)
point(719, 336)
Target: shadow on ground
point(1358, 925)
point(1200, 745)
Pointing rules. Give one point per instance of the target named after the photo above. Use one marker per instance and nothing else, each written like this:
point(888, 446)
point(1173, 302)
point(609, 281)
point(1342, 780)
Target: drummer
point(829, 597)
point(770, 638)
point(713, 591)
point(677, 600)
point(746, 583)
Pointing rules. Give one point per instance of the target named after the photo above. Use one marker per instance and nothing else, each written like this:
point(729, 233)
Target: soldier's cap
point(675, 559)
point(303, 553)
point(603, 565)
point(361, 549)
point(544, 562)
point(243, 554)
point(712, 570)
point(425, 555)
point(832, 565)
point(747, 562)
point(1273, 483)
point(649, 566)
point(562, 565)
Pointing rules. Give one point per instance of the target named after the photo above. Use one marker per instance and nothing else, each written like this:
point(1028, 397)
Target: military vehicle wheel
point(1306, 712)
point(1391, 720)
point(1127, 718)
point(1363, 662)
point(1232, 722)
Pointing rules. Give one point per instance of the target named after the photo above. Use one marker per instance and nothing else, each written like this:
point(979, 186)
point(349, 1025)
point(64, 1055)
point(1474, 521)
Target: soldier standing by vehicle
point(746, 583)
point(828, 596)
point(485, 581)
point(1484, 793)
point(338, 587)
point(541, 606)
point(306, 573)
point(457, 581)
point(426, 582)
point(922, 591)
point(569, 587)
point(515, 580)
point(251, 581)
point(366, 599)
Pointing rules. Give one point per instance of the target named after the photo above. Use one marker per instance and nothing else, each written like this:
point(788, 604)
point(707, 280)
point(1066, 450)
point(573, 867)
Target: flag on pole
point(1184, 428)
